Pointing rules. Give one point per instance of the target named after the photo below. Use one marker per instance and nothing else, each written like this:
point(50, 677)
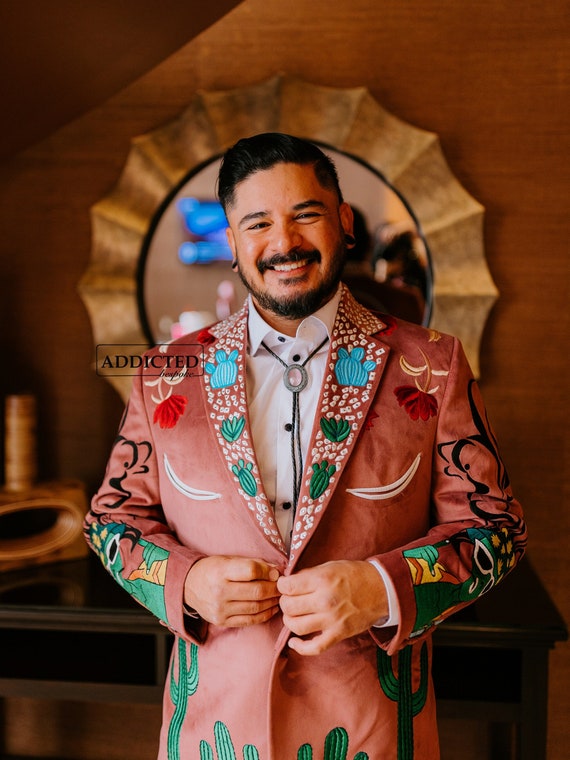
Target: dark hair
point(253, 154)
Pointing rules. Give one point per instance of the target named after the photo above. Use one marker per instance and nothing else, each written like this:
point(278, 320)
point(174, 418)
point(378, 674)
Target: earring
point(350, 240)
point(234, 264)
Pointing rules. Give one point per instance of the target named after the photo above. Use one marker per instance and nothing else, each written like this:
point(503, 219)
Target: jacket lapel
point(356, 362)
point(224, 384)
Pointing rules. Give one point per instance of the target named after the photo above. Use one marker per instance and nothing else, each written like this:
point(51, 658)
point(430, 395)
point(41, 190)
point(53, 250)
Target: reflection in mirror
point(185, 269)
point(185, 272)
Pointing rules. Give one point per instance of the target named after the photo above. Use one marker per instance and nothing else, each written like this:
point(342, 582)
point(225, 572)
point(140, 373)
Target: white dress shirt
point(270, 407)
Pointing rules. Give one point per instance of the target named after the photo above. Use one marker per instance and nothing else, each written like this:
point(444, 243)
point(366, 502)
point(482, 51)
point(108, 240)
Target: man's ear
point(346, 218)
point(232, 244)
point(231, 240)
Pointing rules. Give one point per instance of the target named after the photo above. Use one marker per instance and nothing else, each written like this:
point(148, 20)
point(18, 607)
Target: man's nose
point(286, 237)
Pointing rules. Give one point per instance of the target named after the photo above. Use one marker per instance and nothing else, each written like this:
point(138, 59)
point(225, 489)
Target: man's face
point(287, 234)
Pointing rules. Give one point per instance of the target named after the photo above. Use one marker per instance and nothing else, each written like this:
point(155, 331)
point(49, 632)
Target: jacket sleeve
point(127, 529)
point(477, 532)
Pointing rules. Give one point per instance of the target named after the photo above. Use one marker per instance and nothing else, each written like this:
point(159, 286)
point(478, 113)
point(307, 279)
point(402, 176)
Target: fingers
point(303, 582)
point(232, 591)
point(321, 605)
point(245, 569)
point(329, 603)
point(240, 617)
point(312, 645)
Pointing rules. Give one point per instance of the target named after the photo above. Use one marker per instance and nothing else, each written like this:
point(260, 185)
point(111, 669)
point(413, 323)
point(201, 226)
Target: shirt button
point(296, 358)
point(288, 427)
point(281, 339)
point(286, 505)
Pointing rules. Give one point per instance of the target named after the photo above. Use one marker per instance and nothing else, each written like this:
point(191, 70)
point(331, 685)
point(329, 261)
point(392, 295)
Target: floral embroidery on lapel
point(225, 372)
point(343, 410)
point(227, 403)
point(418, 400)
point(232, 427)
point(335, 429)
point(205, 337)
point(350, 368)
point(390, 324)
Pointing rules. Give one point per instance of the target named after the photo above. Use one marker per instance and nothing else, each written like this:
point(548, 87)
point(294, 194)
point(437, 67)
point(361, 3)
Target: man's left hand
point(325, 604)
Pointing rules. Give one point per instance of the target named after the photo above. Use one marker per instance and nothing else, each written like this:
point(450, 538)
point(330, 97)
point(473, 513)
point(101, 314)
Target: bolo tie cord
point(295, 378)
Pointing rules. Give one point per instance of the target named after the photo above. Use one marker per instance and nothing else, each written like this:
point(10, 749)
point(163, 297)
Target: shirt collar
point(316, 325)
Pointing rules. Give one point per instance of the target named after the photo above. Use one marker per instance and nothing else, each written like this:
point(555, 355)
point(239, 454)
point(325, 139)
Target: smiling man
point(318, 499)
point(288, 233)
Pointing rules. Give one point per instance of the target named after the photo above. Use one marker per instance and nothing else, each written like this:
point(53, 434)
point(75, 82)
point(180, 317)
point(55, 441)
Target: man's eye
point(308, 215)
point(258, 226)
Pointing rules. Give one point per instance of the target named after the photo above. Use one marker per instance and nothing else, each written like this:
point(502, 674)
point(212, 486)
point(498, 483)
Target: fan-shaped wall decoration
point(349, 121)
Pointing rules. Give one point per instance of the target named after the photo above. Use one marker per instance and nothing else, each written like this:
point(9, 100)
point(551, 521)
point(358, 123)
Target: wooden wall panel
point(489, 77)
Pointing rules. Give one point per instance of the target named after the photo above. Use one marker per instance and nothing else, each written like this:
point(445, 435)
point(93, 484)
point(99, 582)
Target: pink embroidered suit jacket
point(403, 468)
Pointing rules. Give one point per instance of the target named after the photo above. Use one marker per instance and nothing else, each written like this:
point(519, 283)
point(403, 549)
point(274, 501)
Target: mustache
point(288, 258)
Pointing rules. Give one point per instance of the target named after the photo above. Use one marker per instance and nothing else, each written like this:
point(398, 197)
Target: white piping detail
point(392, 489)
point(192, 493)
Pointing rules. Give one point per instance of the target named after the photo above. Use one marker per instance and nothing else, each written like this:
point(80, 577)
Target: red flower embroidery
point(369, 422)
point(205, 337)
point(169, 411)
point(417, 403)
point(391, 324)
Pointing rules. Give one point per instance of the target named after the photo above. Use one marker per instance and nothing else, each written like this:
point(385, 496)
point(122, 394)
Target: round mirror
point(186, 280)
point(419, 231)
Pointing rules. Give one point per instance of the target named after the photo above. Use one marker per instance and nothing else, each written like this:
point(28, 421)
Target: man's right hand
point(232, 591)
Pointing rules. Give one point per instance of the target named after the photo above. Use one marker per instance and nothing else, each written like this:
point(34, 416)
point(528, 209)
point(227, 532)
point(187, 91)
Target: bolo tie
point(295, 378)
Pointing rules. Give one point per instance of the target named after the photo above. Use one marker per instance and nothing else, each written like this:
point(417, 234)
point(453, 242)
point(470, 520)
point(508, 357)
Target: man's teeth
point(289, 267)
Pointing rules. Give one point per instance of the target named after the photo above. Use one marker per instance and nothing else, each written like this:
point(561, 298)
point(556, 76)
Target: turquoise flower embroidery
point(350, 369)
point(225, 373)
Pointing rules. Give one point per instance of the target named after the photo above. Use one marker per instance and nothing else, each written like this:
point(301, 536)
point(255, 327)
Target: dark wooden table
point(491, 662)
point(69, 632)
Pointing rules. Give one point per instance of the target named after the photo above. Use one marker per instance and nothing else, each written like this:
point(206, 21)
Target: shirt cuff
point(393, 611)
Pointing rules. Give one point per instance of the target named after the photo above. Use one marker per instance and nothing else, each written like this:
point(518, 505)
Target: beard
point(298, 305)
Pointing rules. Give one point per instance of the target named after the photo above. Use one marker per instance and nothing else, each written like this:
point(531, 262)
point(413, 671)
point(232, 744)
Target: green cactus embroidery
point(336, 744)
point(399, 689)
point(233, 428)
point(336, 747)
point(179, 693)
point(246, 480)
point(320, 478)
point(224, 746)
point(335, 430)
